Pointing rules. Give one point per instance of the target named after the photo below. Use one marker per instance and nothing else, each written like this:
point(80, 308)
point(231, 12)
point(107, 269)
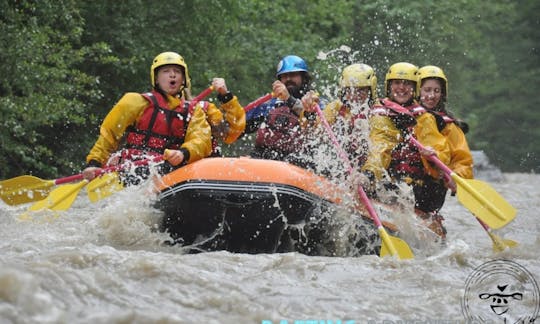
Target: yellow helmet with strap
point(431, 71)
point(169, 58)
point(360, 75)
point(401, 71)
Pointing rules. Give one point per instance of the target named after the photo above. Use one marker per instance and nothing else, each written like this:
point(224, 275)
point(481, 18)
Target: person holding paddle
point(158, 122)
point(433, 91)
point(349, 114)
point(395, 119)
point(280, 123)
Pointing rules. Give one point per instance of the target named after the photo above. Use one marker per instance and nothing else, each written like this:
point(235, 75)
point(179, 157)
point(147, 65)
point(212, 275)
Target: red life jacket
point(281, 132)
point(159, 127)
point(354, 117)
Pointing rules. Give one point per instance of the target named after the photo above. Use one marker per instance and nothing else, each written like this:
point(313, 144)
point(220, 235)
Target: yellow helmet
point(167, 58)
point(401, 71)
point(431, 71)
point(359, 75)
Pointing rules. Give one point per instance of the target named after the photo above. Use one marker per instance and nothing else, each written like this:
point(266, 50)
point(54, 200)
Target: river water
point(103, 262)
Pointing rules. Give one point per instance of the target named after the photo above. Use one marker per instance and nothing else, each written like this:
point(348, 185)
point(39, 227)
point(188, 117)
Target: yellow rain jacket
point(461, 161)
point(228, 122)
point(129, 109)
point(332, 110)
point(385, 136)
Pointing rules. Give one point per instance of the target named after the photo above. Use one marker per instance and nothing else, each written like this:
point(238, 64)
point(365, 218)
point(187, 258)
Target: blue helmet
point(291, 63)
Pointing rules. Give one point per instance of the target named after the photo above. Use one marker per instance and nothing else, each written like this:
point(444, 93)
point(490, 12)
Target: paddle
point(389, 244)
point(200, 97)
point(63, 197)
point(26, 188)
point(477, 196)
point(258, 101)
point(60, 198)
point(499, 244)
point(104, 186)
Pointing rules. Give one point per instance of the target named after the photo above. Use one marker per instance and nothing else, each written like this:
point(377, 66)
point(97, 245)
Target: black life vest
point(444, 119)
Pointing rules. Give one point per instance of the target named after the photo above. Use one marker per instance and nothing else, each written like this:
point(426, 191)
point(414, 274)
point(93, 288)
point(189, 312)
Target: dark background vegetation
point(65, 63)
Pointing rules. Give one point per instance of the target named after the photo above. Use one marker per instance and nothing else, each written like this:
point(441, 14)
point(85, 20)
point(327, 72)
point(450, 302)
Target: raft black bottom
point(252, 218)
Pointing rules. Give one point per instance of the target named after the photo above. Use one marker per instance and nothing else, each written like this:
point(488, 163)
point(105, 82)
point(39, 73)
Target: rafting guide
point(501, 291)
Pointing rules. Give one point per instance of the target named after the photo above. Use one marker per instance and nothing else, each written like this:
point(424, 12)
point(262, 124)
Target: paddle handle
point(363, 196)
point(200, 97)
point(113, 168)
point(433, 158)
point(385, 238)
point(340, 149)
point(77, 177)
point(259, 101)
point(72, 178)
point(484, 225)
point(156, 158)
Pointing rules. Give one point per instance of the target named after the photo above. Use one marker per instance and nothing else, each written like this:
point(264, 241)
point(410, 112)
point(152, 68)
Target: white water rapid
point(104, 263)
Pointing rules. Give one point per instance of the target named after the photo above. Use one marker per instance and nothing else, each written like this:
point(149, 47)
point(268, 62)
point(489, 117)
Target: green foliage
point(66, 63)
point(43, 95)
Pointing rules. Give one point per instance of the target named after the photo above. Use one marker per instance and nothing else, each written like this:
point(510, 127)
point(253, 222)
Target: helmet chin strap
point(181, 91)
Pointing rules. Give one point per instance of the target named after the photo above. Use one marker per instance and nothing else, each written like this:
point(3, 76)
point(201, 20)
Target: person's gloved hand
point(310, 100)
point(174, 157)
point(89, 173)
point(366, 179)
point(280, 90)
point(427, 151)
point(220, 86)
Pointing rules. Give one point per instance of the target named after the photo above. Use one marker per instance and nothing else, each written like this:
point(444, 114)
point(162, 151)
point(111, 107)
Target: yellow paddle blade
point(24, 189)
point(104, 186)
point(60, 198)
point(484, 202)
point(394, 246)
point(500, 244)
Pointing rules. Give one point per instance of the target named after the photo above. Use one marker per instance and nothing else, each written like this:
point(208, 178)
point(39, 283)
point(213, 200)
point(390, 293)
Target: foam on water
point(105, 262)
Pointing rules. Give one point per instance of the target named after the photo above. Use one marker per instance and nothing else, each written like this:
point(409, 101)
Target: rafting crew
point(281, 123)
point(143, 125)
point(163, 120)
point(394, 120)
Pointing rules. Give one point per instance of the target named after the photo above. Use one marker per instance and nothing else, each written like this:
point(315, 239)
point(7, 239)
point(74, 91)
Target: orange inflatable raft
point(250, 205)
